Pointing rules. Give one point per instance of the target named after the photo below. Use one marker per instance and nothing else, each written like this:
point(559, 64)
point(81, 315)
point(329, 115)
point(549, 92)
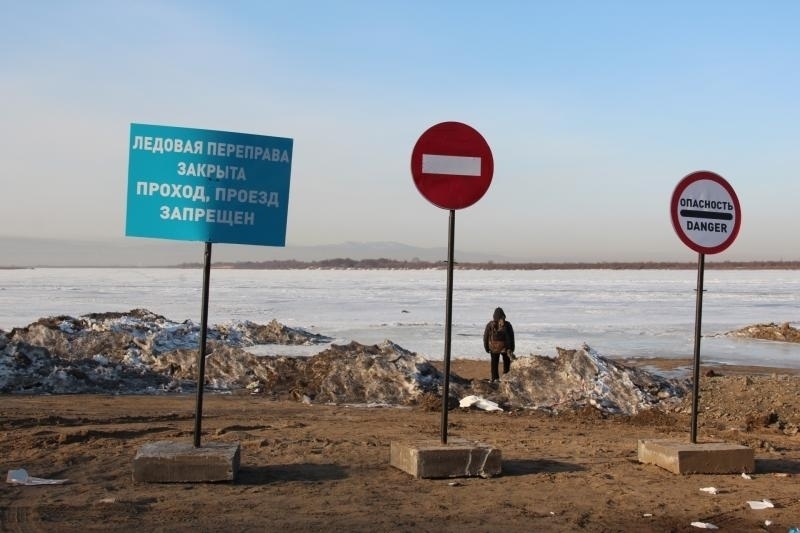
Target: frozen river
point(620, 313)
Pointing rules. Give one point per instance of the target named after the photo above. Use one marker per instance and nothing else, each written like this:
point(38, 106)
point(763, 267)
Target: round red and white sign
point(705, 212)
point(452, 165)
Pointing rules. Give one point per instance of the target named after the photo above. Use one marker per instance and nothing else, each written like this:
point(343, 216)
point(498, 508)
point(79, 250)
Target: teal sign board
point(205, 185)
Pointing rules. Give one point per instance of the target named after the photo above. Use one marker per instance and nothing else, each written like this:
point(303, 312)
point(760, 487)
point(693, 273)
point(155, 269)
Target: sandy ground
point(326, 468)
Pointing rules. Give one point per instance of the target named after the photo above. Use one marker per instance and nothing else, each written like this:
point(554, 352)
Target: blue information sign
point(205, 185)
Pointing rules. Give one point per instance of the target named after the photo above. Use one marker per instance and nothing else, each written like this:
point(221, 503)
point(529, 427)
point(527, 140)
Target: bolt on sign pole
point(201, 355)
point(452, 166)
point(707, 216)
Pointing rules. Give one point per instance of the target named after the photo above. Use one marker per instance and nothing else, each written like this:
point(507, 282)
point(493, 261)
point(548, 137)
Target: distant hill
point(136, 252)
point(17, 252)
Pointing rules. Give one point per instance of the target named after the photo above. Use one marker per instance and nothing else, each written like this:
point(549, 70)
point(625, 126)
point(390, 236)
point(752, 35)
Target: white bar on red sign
point(452, 165)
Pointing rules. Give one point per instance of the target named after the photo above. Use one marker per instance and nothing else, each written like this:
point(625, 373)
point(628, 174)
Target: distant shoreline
point(393, 264)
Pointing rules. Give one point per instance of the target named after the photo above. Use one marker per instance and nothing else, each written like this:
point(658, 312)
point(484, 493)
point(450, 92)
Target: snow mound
point(772, 332)
point(138, 351)
point(384, 373)
point(114, 334)
point(576, 378)
point(141, 352)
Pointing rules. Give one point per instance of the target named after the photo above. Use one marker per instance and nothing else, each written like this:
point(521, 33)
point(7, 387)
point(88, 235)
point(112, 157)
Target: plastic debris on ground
point(704, 525)
point(761, 504)
point(21, 477)
point(479, 403)
point(710, 490)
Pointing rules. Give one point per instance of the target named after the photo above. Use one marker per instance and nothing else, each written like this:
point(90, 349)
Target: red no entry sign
point(452, 165)
point(705, 212)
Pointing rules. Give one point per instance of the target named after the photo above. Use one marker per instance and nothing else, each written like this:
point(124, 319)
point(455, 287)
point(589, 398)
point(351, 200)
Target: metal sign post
point(201, 355)
point(706, 215)
point(448, 321)
point(698, 319)
point(452, 167)
point(207, 185)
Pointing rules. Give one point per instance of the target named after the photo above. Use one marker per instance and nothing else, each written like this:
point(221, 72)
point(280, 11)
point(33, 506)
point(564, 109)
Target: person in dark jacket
point(498, 339)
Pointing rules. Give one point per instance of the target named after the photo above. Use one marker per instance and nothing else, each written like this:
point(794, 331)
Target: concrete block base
point(698, 458)
point(457, 458)
point(173, 462)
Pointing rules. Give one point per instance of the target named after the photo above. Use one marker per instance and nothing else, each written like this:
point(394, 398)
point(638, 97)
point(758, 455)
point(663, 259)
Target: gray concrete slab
point(457, 458)
point(697, 458)
point(179, 462)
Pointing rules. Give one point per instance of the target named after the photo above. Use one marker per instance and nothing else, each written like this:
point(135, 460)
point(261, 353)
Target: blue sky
point(594, 111)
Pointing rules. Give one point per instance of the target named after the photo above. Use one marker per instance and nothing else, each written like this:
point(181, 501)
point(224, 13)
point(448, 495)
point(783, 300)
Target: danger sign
point(452, 165)
point(705, 212)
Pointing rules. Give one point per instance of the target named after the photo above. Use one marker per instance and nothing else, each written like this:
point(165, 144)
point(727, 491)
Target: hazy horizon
point(126, 252)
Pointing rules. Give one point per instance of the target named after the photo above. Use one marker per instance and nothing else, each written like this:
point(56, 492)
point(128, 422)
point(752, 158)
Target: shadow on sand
point(264, 475)
point(524, 467)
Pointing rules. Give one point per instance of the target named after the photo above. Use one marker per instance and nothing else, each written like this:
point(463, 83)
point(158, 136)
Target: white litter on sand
point(21, 477)
point(704, 525)
point(479, 403)
point(761, 504)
